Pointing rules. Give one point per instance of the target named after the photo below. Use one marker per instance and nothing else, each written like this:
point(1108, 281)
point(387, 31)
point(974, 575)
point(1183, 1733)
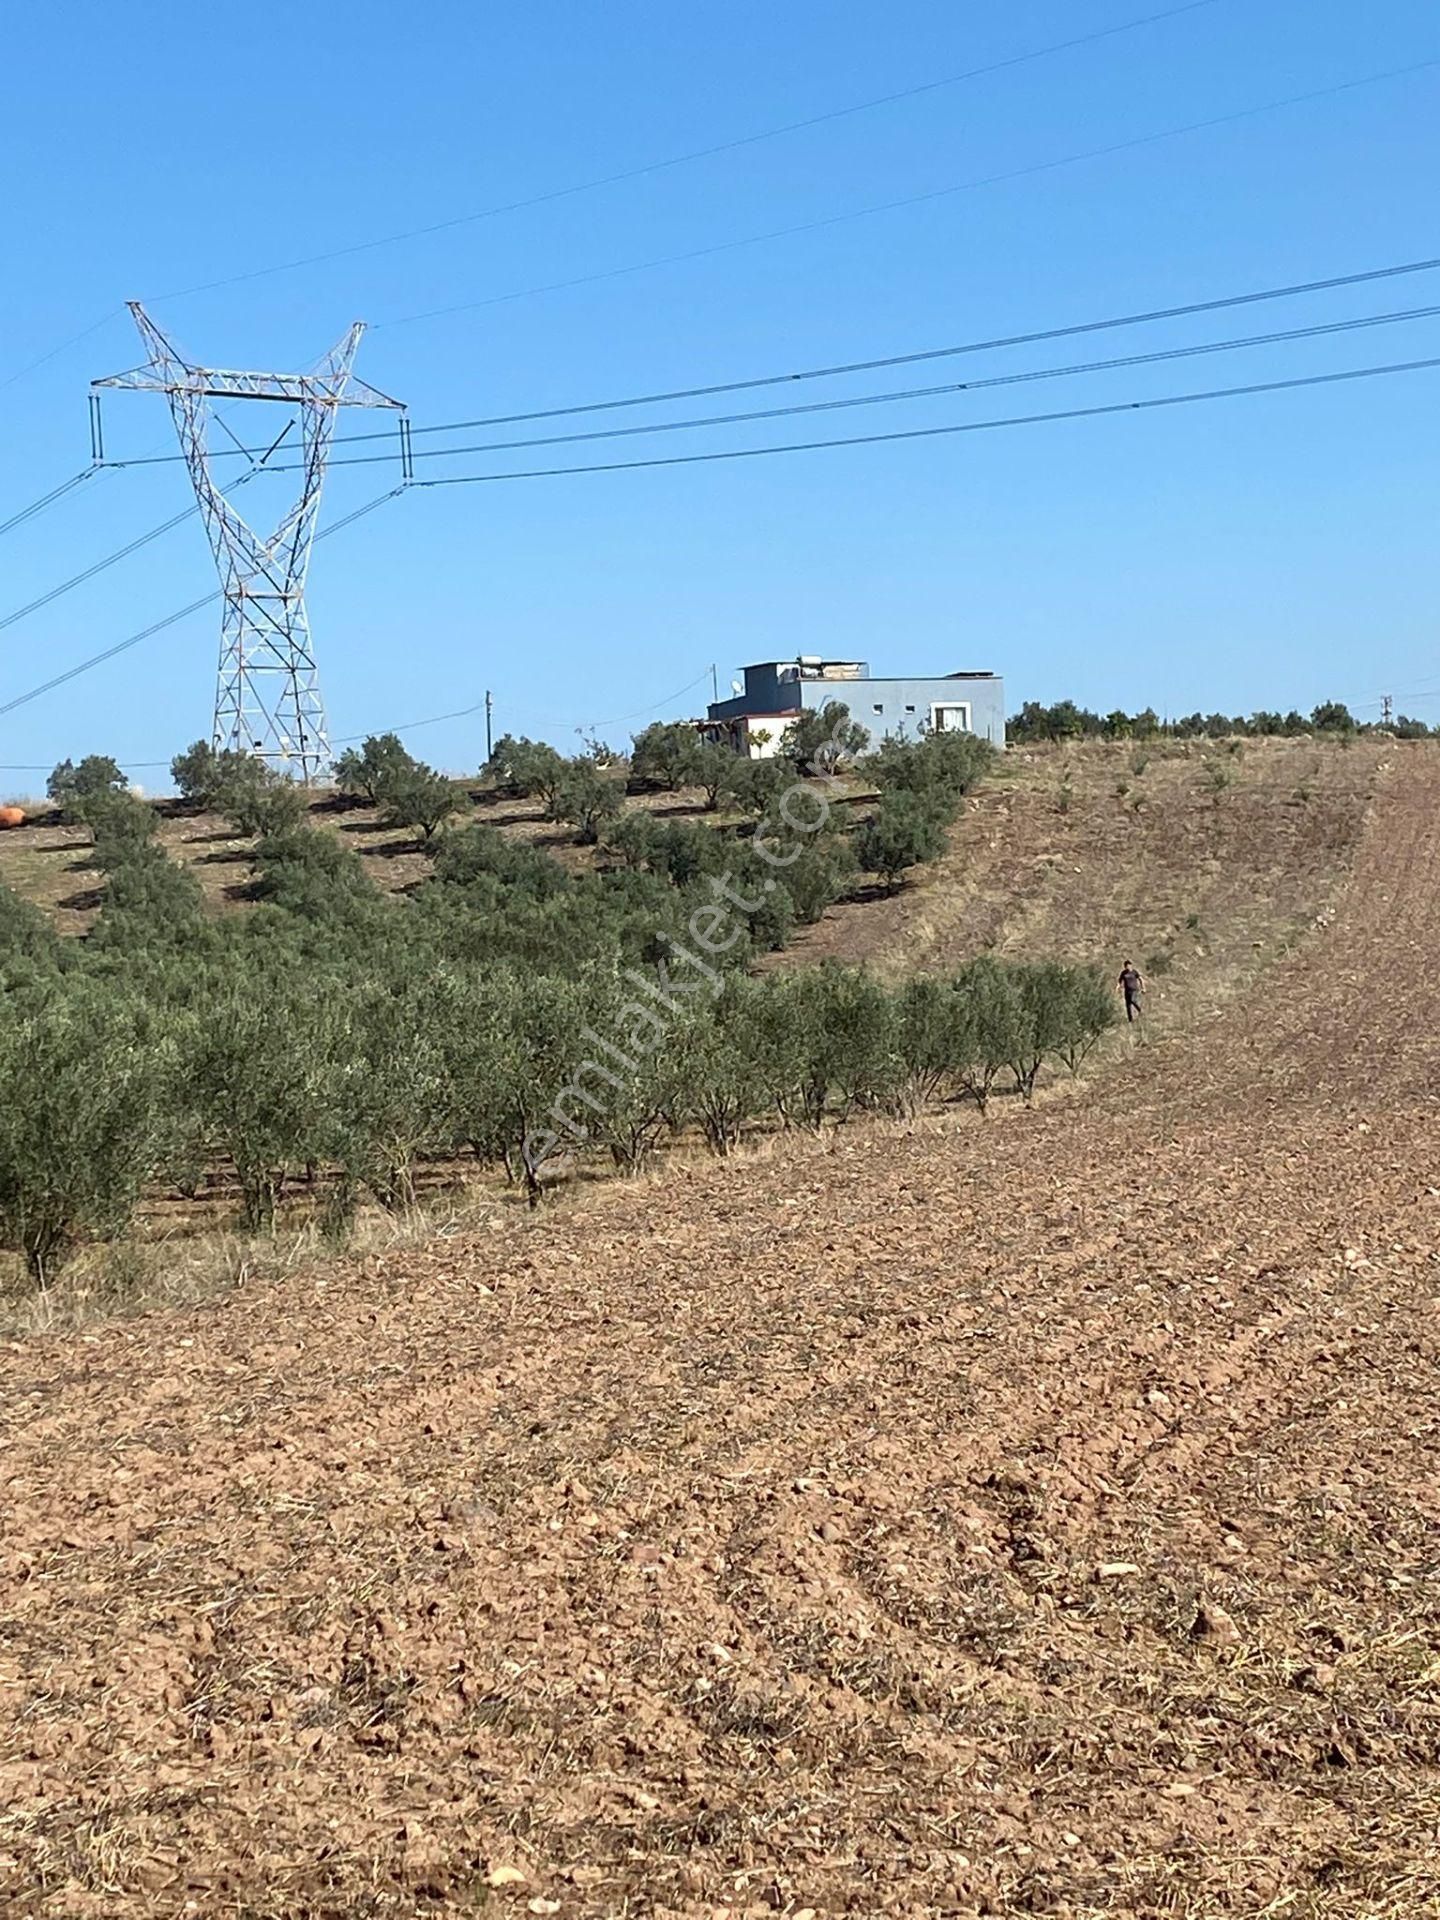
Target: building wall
point(897, 709)
point(903, 709)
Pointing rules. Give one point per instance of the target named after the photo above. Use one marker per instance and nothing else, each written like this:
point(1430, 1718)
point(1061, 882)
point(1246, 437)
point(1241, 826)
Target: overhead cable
point(931, 433)
point(697, 153)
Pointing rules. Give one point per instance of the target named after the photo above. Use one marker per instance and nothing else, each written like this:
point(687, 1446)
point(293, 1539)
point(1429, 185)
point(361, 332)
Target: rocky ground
point(1032, 1517)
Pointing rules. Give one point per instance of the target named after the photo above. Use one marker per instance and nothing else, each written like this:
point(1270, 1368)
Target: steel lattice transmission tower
point(267, 699)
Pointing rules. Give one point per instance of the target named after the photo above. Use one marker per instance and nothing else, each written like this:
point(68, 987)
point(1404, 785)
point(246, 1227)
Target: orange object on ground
point(12, 817)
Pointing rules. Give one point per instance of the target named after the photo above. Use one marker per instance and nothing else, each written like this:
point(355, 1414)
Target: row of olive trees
point(113, 1077)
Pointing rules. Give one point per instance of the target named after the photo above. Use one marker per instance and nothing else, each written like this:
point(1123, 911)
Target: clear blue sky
point(1261, 552)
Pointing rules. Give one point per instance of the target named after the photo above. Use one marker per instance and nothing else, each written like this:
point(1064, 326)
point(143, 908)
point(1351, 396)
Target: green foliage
point(28, 941)
point(823, 739)
point(270, 1072)
point(901, 833)
point(421, 798)
point(586, 799)
point(201, 773)
point(1065, 721)
point(525, 769)
point(1057, 1010)
point(501, 1006)
point(314, 876)
point(397, 1097)
point(258, 799)
point(938, 770)
point(480, 853)
point(662, 755)
point(711, 768)
point(117, 821)
point(84, 1076)
point(96, 777)
point(372, 770)
point(149, 903)
point(756, 786)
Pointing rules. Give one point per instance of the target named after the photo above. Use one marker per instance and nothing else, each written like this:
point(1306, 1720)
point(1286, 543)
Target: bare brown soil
point(1103, 852)
point(1032, 1518)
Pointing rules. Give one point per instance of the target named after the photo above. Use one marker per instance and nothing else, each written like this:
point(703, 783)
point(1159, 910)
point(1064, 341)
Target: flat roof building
point(889, 707)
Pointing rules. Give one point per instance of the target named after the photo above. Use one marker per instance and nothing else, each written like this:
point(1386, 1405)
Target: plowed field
point(1037, 1517)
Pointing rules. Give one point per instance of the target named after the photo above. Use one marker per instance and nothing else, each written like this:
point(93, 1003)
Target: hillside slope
point(1201, 862)
point(1033, 1518)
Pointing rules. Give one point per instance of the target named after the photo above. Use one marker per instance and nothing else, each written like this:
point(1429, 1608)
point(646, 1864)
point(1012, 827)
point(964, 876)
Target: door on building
point(950, 717)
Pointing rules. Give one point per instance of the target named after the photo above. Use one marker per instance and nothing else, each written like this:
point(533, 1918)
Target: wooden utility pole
point(489, 709)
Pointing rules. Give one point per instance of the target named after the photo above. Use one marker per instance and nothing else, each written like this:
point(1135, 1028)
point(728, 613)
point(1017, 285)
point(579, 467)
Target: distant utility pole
point(1387, 709)
point(714, 685)
point(267, 699)
point(489, 709)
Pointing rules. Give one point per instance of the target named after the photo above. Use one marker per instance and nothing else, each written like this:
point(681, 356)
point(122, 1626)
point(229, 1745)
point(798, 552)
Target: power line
point(942, 353)
point(1032, 338)
point(110, 560)
point(258, 465)
point(48, 499)
point(158, 626)
point(697, 153)
point(930, 433)
point(1023, 377)
point(84, 334)
point(919, 199)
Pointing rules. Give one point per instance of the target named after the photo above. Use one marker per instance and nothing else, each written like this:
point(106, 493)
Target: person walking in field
point(1129, 984)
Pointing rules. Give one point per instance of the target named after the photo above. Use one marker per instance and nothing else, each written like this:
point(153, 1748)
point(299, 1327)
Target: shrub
point(96, 777)
point(662, 755)
point(727, 1074)
point(756, 786)
point(314, 876)
point(711, 769)
point(258, 799)
point(83, 1126)
point(118, 822)
point(525, 769)
point(149, 901)
point(847, 1029)
point(265, 1075)
point(27, 938)
point(587, 800)
point(477, 853)
point(397, 1100)
point(939, 769)
point(987, 1029)
point(373, 770)
point(202, 771)
point(823, 739)
point(900, 834)
point(419, 797)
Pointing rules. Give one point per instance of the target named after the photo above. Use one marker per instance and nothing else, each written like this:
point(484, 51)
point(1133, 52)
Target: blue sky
point(1269, 551)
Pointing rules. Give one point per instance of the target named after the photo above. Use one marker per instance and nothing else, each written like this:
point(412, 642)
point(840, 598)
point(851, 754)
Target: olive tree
point(902, 833)
point(84, 1077)
point(265, 1076)
point(586, 799)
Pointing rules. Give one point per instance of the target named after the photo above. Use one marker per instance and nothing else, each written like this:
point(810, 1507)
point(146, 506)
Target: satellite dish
point(737, 686)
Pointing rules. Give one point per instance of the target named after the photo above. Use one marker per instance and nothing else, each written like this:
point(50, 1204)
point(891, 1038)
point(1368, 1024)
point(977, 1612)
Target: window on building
point(909, 709)
point(878, 707)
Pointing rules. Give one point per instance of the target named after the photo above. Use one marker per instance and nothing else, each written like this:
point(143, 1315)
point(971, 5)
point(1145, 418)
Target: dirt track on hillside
point(1028, 1518)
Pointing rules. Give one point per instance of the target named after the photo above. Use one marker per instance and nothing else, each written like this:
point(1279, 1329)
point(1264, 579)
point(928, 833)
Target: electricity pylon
point(267, 699)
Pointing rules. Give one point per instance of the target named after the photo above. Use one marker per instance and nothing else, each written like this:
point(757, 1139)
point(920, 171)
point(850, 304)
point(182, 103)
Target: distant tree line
point(1066, 721)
